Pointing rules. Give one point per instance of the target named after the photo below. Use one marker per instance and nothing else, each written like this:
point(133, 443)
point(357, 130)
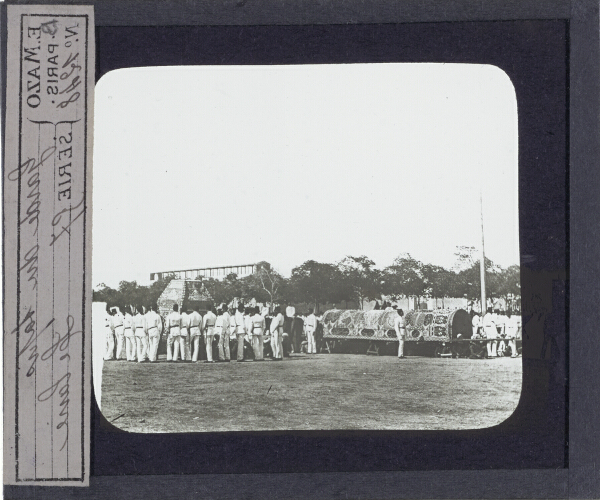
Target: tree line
point(353, 279)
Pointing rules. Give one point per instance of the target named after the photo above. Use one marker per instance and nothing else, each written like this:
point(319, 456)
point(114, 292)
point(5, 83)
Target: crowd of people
point(247, 333)
point(243, 333)
point(502, 329)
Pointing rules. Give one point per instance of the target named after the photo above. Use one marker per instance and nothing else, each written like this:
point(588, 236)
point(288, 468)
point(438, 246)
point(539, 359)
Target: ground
point(311, 392)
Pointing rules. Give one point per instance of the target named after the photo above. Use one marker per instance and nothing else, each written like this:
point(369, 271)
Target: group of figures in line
point(244, 333)
point(502, 329)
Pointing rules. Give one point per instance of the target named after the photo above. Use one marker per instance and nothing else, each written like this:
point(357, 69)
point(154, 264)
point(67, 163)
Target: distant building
point(207, 272)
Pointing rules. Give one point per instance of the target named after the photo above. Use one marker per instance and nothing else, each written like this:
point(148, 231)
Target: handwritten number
point(70, 59)
point(68, 101)
point(66, 229)
point(74, 84)
point(64, 75)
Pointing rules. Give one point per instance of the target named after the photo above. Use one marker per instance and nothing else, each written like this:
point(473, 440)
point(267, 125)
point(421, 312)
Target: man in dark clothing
point(297, 329)
point(267, 348)
point(319, 334)
point(289, 317)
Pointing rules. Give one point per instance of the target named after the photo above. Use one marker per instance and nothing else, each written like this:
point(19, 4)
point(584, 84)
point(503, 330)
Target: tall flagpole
point(482, 262)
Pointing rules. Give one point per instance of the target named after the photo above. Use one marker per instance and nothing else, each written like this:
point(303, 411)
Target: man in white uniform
point(400, 328)
point(208, 327)
point(310, 326)
point(476, 322)
point(227, 323)
point(185, 327)
point(248, 314)
point(129, 335)
point(170, 341)
point(109, 354)
point(232, 326)
point(117, 321)
point(154, 327)
point(519, 321)
point(141, 338)
point(501, 327)
point(257, 329)
point(240, 332)
point(511, 327)
point(277, 335)
point(195, 333)
point(174, 327)
point(490, 331)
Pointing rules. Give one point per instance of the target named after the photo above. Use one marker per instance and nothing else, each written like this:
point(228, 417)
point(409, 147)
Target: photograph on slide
point(331, 217)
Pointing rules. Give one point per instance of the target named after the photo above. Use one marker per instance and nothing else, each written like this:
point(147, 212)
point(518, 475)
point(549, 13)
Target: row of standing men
point(499, 328)
point(137, 334)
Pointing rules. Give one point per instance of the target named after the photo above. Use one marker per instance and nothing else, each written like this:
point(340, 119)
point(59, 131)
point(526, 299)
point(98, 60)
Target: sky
point(203, 166)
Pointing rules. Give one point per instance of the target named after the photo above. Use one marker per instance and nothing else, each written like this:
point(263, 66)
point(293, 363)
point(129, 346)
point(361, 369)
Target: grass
point(311, 392)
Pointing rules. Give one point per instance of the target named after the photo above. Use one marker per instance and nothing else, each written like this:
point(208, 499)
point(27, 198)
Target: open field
point(311, 392)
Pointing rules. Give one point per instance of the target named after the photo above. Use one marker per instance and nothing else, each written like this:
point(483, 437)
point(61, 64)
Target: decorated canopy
point(441, 324)
point(437, 325)
point(185, 295)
